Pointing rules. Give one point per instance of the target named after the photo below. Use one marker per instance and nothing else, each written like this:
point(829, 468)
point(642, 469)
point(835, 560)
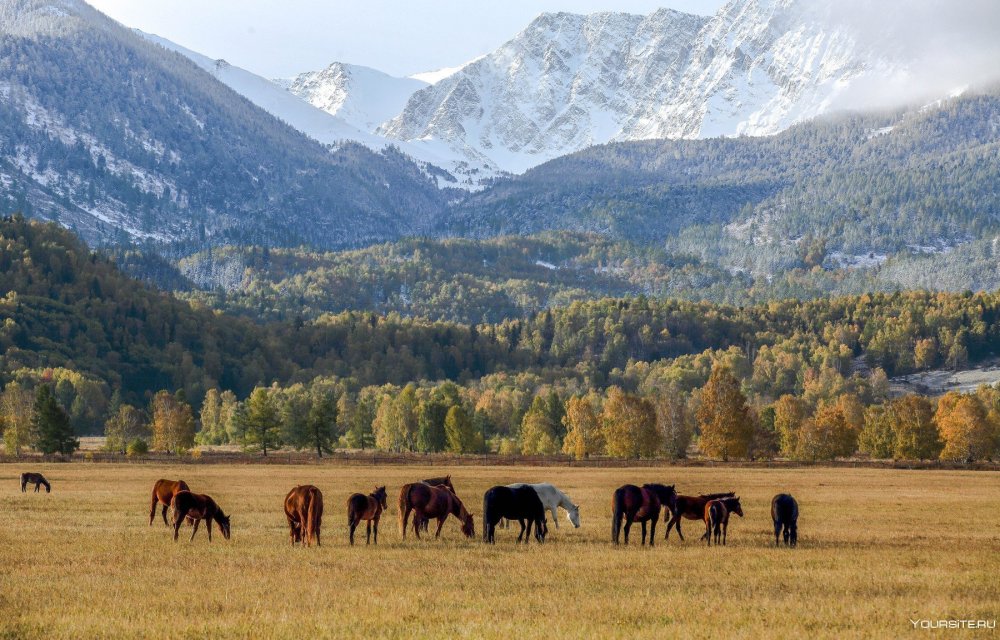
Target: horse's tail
point(313, 506)
point(616, 514)
point(486, 516)
point(404, 494)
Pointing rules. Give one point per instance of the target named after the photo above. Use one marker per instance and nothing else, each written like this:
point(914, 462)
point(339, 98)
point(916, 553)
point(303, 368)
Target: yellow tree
point(827, 435)
point(583, 429)
point(538, 432)
point(961, 420)
point(789, 414)
point(915, 436)
point(16, 411)
point(724, 418)
point(628, 423)
point(173, 423)
point(673, 421)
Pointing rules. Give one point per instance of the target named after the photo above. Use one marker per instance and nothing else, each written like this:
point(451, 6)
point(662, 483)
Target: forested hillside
point(124, 142)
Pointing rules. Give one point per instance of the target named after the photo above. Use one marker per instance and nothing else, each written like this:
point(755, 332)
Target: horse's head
point(381, 496)
point(542, 530)
point(574, 515)
point(734, 506)
point(223, 524)
point(468, 525)
point(48, 488)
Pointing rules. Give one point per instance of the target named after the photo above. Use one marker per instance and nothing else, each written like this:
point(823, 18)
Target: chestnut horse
point(690, 507)
point(635, 504)
point(443, 480)
point(428, 502)
point(366, 507)
point(36, 479)
point(198, 507)
point(304, 510)
point(163, 493)
point(717, 517)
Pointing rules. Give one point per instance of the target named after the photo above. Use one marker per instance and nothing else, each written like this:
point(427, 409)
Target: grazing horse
point(163, 493)
point(552, 499)
point(366, 507)
point(428, 502)
point(519, 503)
point(36, 479)
point(443, 480)
point(304, 510)
point(635, 504)
point(198, 507)
point(785, 513)
point(717, 517)
point(690, 507)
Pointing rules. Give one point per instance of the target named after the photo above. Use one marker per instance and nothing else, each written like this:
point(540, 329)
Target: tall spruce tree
point(51, 423)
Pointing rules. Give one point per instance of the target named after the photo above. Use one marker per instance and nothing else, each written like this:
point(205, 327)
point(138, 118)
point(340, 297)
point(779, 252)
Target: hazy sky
point(280, 39)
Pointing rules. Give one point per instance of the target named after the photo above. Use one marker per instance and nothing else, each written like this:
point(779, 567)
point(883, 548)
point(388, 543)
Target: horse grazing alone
point(198, 507)
point(785, 513)
point(717, 517)
point(635, 504)
point(304, 510)
point(366, 507)
point(552, 499)
point(519, 503)
point(428, 502)
point(163, 492)
point(36, 479)
point(690, 507)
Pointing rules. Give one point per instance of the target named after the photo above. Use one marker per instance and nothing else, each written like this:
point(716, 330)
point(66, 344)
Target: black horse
point(785, 513)
point(36, 479)
point(519, 503)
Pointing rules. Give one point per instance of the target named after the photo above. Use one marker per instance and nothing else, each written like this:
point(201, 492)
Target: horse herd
point(436, 499)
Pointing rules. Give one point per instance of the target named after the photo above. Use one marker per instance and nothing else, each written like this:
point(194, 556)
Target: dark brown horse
point(690, 507)
point(635, 504)
point(36, 479)
point(428, 502)
point(785, 513)
point(366, 507)
point(304, 510)
point(198, 507)
point(717, 517)
point(163, 492)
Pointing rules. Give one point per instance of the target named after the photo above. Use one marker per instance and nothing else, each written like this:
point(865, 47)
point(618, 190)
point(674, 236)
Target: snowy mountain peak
point(362, 96)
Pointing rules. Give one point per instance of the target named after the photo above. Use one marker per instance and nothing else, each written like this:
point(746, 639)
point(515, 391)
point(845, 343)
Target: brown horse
point(304, 510)
point(428, 502)
point(442, 480)
point(366, 507)
point(717, 517)
point(198, 507)
point(163, 493)
point(635, 504)
point(690, 507)
point(36, 479)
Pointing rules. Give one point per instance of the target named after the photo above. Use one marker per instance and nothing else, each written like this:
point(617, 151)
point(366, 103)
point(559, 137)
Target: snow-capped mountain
point(570, 81)
point(361, 96)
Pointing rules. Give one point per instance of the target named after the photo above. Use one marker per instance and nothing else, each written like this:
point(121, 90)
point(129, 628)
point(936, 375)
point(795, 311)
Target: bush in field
point(137, 448)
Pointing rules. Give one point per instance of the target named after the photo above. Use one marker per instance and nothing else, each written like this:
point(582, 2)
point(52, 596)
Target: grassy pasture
point(877, 547)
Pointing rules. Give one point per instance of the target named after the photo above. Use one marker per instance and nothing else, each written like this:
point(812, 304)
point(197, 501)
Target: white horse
point(553, 498)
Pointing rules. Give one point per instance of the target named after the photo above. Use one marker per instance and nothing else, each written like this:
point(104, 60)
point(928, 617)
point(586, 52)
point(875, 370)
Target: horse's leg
point(368, 534)
point(37, 484)
point(353, 524)
point(440, 524)
point(418, 515)
point(678, 525)
point(178, 519)
point(375, 528)
point(628, 527)
point(555, 514)
point(152, 509)
point(643, 523)
point(652, 530)
point(208, 523)
point(165, 515)
point(521, 534)
point(195, 530)
point(405, 516)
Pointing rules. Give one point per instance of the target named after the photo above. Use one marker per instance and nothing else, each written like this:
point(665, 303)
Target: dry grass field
point(876, 548)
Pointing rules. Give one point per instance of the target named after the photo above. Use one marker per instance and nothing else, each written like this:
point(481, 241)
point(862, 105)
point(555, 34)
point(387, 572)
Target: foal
point(304, 511)
point(36, 479)
point(199, 507)
point(366, 507)
point(717, 517)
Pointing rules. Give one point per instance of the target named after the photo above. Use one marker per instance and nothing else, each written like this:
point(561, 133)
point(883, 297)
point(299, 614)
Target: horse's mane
point(718, 496)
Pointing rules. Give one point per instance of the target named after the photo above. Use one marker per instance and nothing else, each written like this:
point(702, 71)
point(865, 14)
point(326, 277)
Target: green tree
point(259, 427)
point(877, 438)
point(322, 420)
point(124, 426)
point(52, 424)
point(673, 421)
point(460, 433)
point(915, 436)
point(539, 435)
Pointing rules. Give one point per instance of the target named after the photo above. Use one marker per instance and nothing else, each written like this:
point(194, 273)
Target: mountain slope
point(123, 141)
point(361, 96)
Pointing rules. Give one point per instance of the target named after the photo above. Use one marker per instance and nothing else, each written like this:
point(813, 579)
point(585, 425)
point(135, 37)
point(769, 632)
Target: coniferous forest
point(631, 377)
